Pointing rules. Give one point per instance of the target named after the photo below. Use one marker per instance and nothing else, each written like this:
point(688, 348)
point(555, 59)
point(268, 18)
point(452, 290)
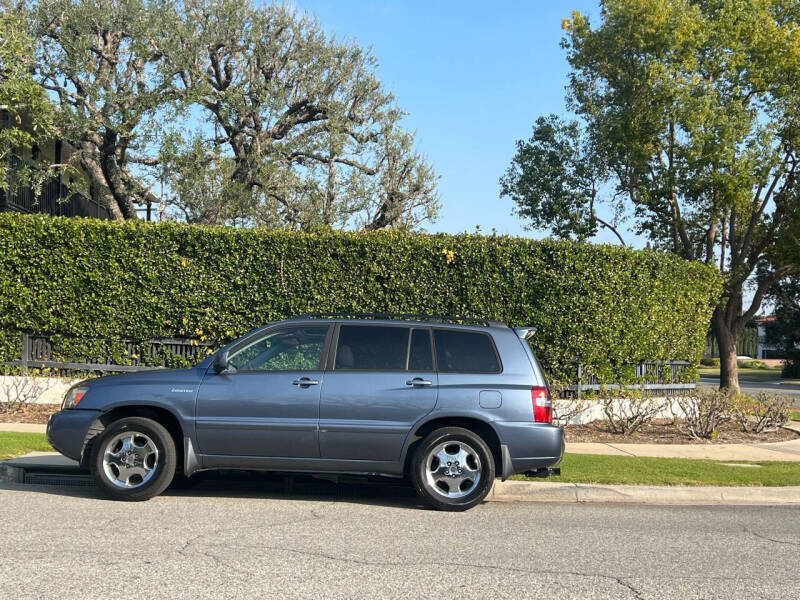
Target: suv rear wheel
point(133, 459)
point(452, 469)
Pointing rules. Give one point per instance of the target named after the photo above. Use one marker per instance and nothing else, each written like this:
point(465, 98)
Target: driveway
point(233, 539)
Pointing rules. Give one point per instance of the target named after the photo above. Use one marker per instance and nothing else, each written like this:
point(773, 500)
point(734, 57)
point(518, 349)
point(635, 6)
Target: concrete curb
point(534, 491)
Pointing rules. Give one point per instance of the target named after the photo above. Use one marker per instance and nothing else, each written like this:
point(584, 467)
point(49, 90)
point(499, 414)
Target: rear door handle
point(305, 382)
point(419, 381)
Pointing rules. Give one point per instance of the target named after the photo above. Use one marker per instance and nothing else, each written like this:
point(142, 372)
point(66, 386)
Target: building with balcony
point(56, 196)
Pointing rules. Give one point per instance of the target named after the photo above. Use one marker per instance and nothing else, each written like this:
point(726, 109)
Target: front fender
point(67, 431)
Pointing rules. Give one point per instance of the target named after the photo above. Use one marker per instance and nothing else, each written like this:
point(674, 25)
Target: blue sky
point(473, 77)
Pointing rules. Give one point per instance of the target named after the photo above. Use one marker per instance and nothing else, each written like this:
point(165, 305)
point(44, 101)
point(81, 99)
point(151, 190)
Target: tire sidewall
point(165, 469)
point(418, 468)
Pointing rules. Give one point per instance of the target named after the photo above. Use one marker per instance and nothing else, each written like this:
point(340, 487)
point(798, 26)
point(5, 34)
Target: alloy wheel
point(130, 459)
point(452, 469)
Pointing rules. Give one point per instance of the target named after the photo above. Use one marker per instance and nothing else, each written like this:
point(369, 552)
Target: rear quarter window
point(465, 352)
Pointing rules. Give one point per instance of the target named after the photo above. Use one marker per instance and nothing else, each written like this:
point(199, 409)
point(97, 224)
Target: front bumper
point(67, 429)
point(529, 446)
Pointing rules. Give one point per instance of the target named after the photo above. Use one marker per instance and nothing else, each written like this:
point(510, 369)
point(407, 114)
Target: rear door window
point(371, 348)
point(465, 352)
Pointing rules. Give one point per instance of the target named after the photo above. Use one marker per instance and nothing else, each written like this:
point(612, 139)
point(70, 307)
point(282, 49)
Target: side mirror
point(221, 361)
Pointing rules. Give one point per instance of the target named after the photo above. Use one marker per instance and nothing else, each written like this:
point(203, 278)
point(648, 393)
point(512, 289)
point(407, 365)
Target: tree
point(691, 109)
point(277, 123)
point(554, 180)
point(23, 102)
point(199, 185)
point(784, 331)
point(100, 60)
point(302, 116)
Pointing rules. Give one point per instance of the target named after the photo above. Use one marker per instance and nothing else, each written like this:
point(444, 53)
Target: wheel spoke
point(443, 457)
point(123, 474)
point(140, 471)
point(127, 444)
point(470, 473)
point(461, 456)
point(112, 458)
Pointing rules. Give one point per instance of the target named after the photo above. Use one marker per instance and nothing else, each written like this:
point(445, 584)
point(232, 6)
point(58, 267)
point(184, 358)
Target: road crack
point(769, 539)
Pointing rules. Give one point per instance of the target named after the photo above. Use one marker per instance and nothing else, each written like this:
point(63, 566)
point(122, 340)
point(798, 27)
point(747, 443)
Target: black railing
point(53, 198)
point(38, 352)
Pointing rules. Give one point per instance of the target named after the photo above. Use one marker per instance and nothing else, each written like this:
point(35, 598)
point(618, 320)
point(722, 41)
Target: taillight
point(542, 404)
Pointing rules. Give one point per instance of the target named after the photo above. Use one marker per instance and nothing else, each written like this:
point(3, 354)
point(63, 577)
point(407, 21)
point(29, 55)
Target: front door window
point(289, 349)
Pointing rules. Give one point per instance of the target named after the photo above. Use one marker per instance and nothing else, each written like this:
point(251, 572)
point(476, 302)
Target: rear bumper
point(529, 446)
point(66, 431)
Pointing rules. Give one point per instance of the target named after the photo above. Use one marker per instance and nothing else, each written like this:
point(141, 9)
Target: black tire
point(162, 462)
point(435, 494)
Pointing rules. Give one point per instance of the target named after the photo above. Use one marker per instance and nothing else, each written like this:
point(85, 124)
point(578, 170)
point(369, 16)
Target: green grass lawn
point(595, 468)
point(795, 416)
point(752, 374)
point(14, 444)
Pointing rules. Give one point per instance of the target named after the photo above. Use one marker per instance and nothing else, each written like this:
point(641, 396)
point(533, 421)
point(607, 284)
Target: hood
point(144, 378)
point(162, 387)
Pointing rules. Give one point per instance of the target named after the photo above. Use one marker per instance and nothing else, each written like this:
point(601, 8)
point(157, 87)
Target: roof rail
point(404, 317)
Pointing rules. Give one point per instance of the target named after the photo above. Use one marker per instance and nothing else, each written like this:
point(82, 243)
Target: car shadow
point(249, 484)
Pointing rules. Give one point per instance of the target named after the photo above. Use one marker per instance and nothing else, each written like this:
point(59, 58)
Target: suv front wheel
point(452, 469)
point(133, 459)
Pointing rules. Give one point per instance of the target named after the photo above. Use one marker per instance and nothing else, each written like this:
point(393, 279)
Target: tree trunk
point(726, 340)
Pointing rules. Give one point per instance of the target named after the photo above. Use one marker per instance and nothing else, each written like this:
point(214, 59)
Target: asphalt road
point(775, 386)
point(242, 540)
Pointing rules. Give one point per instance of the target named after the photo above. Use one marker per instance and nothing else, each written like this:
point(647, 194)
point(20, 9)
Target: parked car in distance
point(450, 403)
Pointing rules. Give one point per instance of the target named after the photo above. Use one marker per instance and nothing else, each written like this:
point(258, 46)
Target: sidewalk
point(782, 451)
point(23, 427)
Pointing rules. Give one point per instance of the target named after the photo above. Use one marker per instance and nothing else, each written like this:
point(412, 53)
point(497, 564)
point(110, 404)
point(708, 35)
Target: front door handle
point(418, 381)
point(305, 382)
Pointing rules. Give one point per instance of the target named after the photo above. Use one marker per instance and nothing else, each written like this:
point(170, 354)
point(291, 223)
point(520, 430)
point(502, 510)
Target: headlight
point(73, 397)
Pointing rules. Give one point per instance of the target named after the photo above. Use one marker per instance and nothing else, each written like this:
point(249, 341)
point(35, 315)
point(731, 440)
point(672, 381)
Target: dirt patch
point(665, 432)
point(35, 413)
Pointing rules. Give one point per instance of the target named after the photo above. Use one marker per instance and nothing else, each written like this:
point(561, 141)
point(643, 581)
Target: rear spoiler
point(525, 333)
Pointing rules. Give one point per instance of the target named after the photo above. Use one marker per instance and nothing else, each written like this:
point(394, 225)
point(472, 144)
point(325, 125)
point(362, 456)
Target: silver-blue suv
point(450, 403)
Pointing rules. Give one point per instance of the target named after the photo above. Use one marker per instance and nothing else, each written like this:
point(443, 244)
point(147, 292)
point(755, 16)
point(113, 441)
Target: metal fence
point(655, 378)
point(54, 198)
point(38, 352)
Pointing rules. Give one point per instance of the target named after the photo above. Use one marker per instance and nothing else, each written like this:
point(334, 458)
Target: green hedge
point(611, 306)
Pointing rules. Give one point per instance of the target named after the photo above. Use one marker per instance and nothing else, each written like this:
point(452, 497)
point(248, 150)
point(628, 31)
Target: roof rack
point(405, 317)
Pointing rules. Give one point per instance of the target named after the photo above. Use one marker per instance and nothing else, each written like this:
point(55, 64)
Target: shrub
point(628, 411)
point(612, 306)
point(752, 364)
point(791, 366)
point(703, 412)
point(567, 409)
point(17, 392)
point(709, 362)
point(764, 412)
